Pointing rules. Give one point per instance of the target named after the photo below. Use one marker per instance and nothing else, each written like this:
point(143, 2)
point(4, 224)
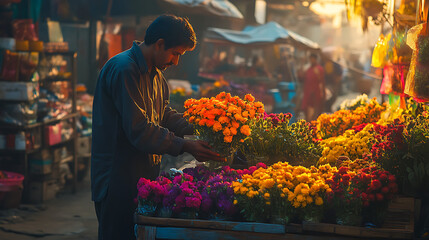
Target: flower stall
point(356, 173)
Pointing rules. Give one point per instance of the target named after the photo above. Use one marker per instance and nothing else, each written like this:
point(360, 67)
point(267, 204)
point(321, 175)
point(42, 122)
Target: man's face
point(164, 58)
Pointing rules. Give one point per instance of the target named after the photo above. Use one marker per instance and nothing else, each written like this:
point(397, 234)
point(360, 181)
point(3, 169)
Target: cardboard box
point(40, 167)
point(53, 134)
point(41, 162)
point(19, 91)
point(40, 192)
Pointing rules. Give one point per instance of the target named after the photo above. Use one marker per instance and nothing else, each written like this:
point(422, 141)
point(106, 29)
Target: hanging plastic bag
point(379, 55)
point(386, 84)
point(417, 83)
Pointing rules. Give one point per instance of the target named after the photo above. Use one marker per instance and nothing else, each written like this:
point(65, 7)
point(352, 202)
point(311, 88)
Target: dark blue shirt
point(132, 125)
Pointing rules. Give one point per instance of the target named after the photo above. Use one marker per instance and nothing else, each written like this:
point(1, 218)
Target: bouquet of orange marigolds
point(223, 120)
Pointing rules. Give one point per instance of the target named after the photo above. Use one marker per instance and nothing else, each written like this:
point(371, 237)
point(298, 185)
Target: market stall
point(352, 173)
point(360, 172)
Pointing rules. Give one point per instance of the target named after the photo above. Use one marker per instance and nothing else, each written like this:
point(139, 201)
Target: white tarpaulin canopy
point(268, 33)
point(222, 8)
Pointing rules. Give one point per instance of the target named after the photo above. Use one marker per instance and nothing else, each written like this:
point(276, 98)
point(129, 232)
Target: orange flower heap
point(224, 115)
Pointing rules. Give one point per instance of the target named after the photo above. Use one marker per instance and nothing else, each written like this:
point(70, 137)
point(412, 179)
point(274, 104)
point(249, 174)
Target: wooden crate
point(399, 224)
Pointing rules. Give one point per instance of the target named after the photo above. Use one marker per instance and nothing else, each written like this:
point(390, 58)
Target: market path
point(67, 217)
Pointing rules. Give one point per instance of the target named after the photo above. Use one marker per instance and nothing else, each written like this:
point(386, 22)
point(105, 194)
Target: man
point(313, 100)
point(132, 125)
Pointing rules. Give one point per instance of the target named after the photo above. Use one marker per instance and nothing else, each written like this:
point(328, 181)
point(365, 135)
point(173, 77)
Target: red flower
point(371, 197)
point(379, 197)
point(383, 177)
point(346, 177)
point(376, 184)
point(342, 170)
point(392, 178)
point(385, 190)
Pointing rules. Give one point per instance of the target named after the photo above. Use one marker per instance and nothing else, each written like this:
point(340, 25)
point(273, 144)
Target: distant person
point(333, 77)
point(313, 100)
point(258, 68)
point(133, 126)
point(283, 72)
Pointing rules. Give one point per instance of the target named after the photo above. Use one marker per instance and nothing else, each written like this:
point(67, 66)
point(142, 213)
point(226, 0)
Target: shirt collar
point(141, 62)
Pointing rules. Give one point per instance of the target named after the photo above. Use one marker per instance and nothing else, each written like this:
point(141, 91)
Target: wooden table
point(399, 224)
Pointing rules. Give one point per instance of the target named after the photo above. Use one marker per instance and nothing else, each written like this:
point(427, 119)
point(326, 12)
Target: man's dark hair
point(176, 31)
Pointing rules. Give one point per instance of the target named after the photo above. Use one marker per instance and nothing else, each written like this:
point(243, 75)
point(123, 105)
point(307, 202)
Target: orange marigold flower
point(217, 126)
point(245, 129)
point(227, 139)
point(252, 113)
point(249, 98)
point(226, 132)
point(233, 131)
point(202, 122)
point(210, 123)
point(235, 124)
point(223, 119)
point(258, 105)
point(245, 114)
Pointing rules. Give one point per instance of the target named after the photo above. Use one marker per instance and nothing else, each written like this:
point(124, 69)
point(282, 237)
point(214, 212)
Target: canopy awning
point(222, 8)
point(270, 32)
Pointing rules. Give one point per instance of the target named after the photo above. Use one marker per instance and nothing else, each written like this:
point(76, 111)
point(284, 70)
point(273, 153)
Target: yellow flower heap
point(335, 124)
point(298, 186)
point(350, 144)
point(223, 115)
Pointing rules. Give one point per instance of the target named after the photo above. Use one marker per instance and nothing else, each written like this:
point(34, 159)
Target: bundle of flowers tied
point(223, 121)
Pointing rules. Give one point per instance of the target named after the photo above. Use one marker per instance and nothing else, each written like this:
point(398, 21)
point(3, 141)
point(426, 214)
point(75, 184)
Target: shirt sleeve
point(175, 122)
point(142, 133)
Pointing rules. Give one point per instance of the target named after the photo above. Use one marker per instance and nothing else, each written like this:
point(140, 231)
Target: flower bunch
point(345, 198)
point(351, 104)
point(223, 120)
point(366, 190)
point(377, 185)
point(273, 139)
point(351, 144)
point(281, 188)
point(331, 125)
point(357, 164)
point(184, 195)
point(389, 147)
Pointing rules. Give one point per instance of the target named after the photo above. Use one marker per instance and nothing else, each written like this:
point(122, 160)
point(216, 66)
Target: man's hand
point(201, 150)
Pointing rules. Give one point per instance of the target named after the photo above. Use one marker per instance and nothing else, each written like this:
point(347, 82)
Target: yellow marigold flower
point(304, 191)
point(309, 199)
point(296, 204)
point(235, 202)
point(268, 203)
point(319, 201)
point(300, 198)
point(282, 195)
point(266, 195)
